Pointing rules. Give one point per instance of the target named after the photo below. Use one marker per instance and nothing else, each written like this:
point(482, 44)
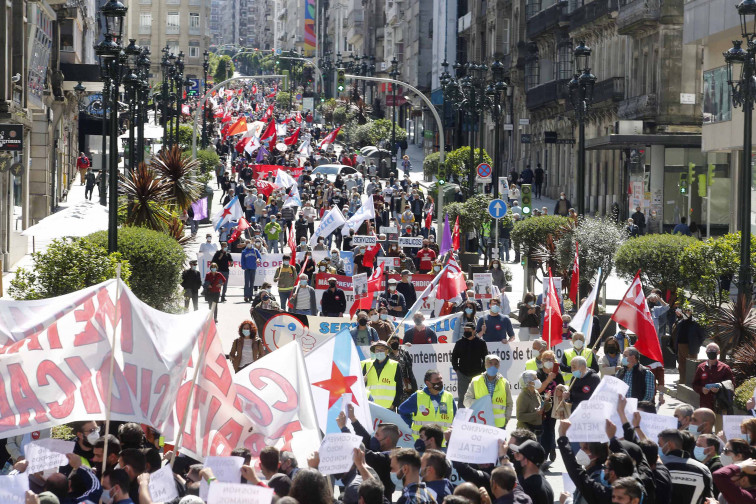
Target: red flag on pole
point(633, 313)
point(368, 257)
point(428, 220)
point(455, 234)
point(552, 320)
point(269, 135)
point(329, 138)
point(293, 138)
point(575, 278)
point(239, 127)
point(240, 227)
point(293, 247)
point(451, 282)
point(365, 302)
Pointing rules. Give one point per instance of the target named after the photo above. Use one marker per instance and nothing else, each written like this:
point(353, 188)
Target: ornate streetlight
point(581, 98)
point(205, 68)
point(394, 75)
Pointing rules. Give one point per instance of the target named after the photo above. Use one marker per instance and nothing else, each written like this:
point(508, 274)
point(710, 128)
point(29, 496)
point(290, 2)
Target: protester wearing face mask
point(493, 384)
point(223, 262)
point(337, 262)
point(363, 334)
point(709, 379)
point(586, 381)
point(250, 261)
point(407, 289)
point(208, 247)
point(530, 405)
point(692, 481)
point(639, 378)
point(303, 298)
point(707, 452)
point(495, 327)
point(578, 350)
point(467, 315)
point(498, 275)
point(191, 281)
point(117, 491)
point(584, 461)
point(379, 320)
point(247, 348)
point(550, 378)
point(539, 346)
point(468, 357)
point(420, 333)
point(403, 357)
point(213, 284)
point(320, 246)
point(383, 376)
point(611, 361)
point(431, 405)
point(393, 299)
point(266, 301)
point(333, 302)
point(530, 458)
point(405, 471)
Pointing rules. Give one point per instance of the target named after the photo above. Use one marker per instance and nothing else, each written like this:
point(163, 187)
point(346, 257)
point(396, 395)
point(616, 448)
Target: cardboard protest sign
point(475, 443)
point(411, 241)
point(225, 469)
point(360, 285)
point(238, 493)
point(630, 408)
point(731, 426)
point(364, 240)
point(483, 285)
point(336, 452)
point(47, 454)
point(162, 485)
point(588, 423)
point(652, 424)
point(557, 287)
point(13, 488)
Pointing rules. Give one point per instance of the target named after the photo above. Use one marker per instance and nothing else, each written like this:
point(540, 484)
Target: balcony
point(592, 12)
point(546, 94)
point(546, 20)
point(636, 16)
point(638, 107)
point(172, 30)
point(394, 12)
point(463, 23)
point(195, 30)
point(195, 2)
point(145, 29)
point(611, 89)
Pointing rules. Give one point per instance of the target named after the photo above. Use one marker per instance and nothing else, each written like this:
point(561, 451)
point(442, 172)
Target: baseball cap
point(332, 279)
point(531, 451)
point(406, 272)
point(392, 280)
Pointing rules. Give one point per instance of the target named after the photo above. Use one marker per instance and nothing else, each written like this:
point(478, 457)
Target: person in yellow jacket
point(539, 346)
point(495, 385)
point(383, 377)
point(431, 405)
point(578, 349)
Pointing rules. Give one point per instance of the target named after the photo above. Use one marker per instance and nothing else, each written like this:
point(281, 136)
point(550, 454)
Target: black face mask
point(711, 355)
point(394, 345)
point(468, 334)
point(332, 284)
point(362, 322)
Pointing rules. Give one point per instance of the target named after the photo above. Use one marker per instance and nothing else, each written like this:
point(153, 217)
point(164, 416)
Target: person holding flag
point(302, 301)
point(578, 350)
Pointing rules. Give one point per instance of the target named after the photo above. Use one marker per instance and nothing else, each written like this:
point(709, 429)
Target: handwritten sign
point(652, 424)
point(731, 425)
point(364, 240)
point(225, 469)
point(47, 454)
point(238, 493)
point(630, 407)
point(411, 241)
point(336, 452)
point(162, 485)
point(589, 422)
point(474, 443)
point(13, 488)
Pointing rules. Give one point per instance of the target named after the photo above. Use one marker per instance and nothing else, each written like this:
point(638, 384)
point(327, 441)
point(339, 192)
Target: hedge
point(657, 256)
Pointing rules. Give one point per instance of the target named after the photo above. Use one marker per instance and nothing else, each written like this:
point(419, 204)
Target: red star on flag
point(226, 211)
point(337, 385)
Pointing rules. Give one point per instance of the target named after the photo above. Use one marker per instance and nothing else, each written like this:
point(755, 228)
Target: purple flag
point(260, 154)
point(446, 240)
point(200, 209)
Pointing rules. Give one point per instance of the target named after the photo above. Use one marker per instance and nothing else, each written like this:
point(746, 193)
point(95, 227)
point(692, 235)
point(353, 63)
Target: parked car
point(330, 171)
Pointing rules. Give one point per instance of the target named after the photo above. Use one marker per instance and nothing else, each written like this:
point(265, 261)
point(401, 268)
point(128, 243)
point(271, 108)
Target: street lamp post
point(394, 74)
point(105, 101)
point(743, 62)
point(581, 97)
point(165, 66)
point(205, 67)
point(131, 82)
point(143, 71)
point(179, 83)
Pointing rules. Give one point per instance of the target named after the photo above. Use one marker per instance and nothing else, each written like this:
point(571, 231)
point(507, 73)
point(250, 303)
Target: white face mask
point(536, 353)
point(726, 460)
point(548, 365)
point(582, 458)
point(578, 344)
point(93, 436)
point(537, 384)
point(373, 318)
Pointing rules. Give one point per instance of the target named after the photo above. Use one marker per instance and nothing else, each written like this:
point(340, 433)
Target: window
point(194, 52)
point(145, 19)
point(532, 73)
point(532, 8)
point(172, 22)
point(194, 20)
point(564, 62)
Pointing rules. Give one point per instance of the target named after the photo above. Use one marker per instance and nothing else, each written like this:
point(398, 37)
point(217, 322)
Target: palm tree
point(179, 172)
point(733, 325)
point(146, 194)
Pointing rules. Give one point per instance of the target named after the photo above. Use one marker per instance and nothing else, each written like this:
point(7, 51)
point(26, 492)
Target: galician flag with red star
point(336, 376)
point(231, 212)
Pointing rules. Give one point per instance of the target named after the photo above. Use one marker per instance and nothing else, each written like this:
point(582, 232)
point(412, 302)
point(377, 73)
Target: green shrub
point(472, 212)
point(67, 265)
point(282, 99)
point(156, 262)
point(208, 160)
point(430, 165)
point(598, 240)
point(458, 162)
point(528, 234)
point(657, 256)
point(743, 392)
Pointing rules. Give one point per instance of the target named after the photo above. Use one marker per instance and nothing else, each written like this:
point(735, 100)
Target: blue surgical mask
point(246, 332)
point(397, 482)
point(492, 370)
point(577, 373)
point(624, 361)
point(693, 429)
point(699, 453)
point(495, 309)
point(380, 356)
point(468, 311)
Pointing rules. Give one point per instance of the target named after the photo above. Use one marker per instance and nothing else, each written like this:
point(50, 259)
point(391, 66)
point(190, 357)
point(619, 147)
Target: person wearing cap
point(303, 298)
point(530, 455)
point(333, 302)
point(492, 383)
point(468, 358)
point(383, 376)
point(208, 247)
point(363, 334)
point(393, 299)
point(191, 281)
point(406, 289)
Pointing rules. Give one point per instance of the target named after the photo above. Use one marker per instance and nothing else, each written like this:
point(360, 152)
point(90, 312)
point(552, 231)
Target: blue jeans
point(273, 246)
point(303, 312)
point(193, 226)
point(249, 282)
point(284, 295)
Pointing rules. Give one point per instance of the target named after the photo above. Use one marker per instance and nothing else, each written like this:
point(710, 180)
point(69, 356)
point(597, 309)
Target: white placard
point(389, 230)
point(652, 424)
point(731, 425)
point(463, 415)
point(567, 484)
point(336, 452)
point(360, 285)
point(630, 407)
point(47, 454)
point(225, 469)
point(483, 285)
point(589, 422)
point(474, 443)
point(162, 485)
point(389, 262)
point(364, 240)
point(411, 241)
point(346, 400)
point(13, 488)
point(557, 286)
point(238, 493)
point(608, 391)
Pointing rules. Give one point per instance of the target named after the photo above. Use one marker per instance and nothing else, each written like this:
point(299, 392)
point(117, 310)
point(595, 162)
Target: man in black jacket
point(191, 281)
point(691, 480)
point(406, 289)
point(224, 261)
point(468, 358)
point(585, 382)
point(333, 302)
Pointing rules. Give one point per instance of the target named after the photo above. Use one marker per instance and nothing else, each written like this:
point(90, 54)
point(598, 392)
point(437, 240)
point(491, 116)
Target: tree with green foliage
point(472, 213)
point(430, 166)
point(458, 162)
point(208, 160)
point(156, 262)
point(67, 265)
point(224, 69)
point(657, 257)
point(598, 239)
point(283, 99)
point(534, 232)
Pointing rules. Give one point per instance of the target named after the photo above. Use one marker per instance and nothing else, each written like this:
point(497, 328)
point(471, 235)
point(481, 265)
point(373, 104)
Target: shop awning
point(619, 142)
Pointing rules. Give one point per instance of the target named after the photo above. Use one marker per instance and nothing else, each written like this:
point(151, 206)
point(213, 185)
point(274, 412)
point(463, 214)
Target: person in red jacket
point(709, 377)
point(425, 257)
point(82, 164)
point(213, 284)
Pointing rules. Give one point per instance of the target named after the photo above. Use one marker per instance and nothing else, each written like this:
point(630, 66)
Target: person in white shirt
point(209, 247)
point(516, 209)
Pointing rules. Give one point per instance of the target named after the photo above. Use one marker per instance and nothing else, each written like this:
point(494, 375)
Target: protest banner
point(608, 391)
point(360, 285)
point(47, 454)
point(589, 422)
point(411, 241)
point(389, 262)
point(382, 415)
point(13, 488)
point(473, 443)
point(55, 359)
point(483, 285)
point(336, 452)
point(482, 411)
point(652, 424)
point(265, 272)
point(162, 485)
point(364, 240)
point(391, 232)
point(731, 426)
point(238, 493)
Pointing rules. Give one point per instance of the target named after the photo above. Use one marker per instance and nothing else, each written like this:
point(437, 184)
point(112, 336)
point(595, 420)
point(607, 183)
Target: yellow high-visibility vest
point(427, 413)
point(571, 354)
point(381, 388)
point(499, 398)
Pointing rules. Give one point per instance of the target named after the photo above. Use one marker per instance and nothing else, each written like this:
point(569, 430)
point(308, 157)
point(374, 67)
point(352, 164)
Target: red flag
point(428, 220)
point(226, 117)
point(219, 112)
point(239, 127)
point(633, 313)
point(552, 320)
point(287, 120)
point(329, 138)
point(254, 89)
point(241, 144)
point(293, 138)
point(271, 95)
point(369, 257)
point(293, 247)
point(240, 227)
point(451, 281)
point(268, 114)
point(269, 134)
point(575, 278)
point(455, 234)
point(265, 187)
point(298, 117)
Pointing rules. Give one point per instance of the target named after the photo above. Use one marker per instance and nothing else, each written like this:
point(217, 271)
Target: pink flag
point(200, 209)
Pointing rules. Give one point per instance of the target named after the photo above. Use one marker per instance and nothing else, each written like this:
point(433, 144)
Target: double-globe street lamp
point(136, 84)
point(581, 97)
point(395, 90)
point(741, 75)
point(205, 68)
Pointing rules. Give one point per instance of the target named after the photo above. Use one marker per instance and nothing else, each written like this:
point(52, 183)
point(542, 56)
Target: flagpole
point(109, 399)
point(189, 401)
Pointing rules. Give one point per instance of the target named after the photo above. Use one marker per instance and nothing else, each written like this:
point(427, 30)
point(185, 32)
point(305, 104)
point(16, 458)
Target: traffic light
point(683, 185)
point(710, 178)
point(691, 172)
point(341, 79)
point(307, 74)
point(525, 196)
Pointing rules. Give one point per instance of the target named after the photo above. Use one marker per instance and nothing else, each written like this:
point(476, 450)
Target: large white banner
point(55, 359)
point(265, 272)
